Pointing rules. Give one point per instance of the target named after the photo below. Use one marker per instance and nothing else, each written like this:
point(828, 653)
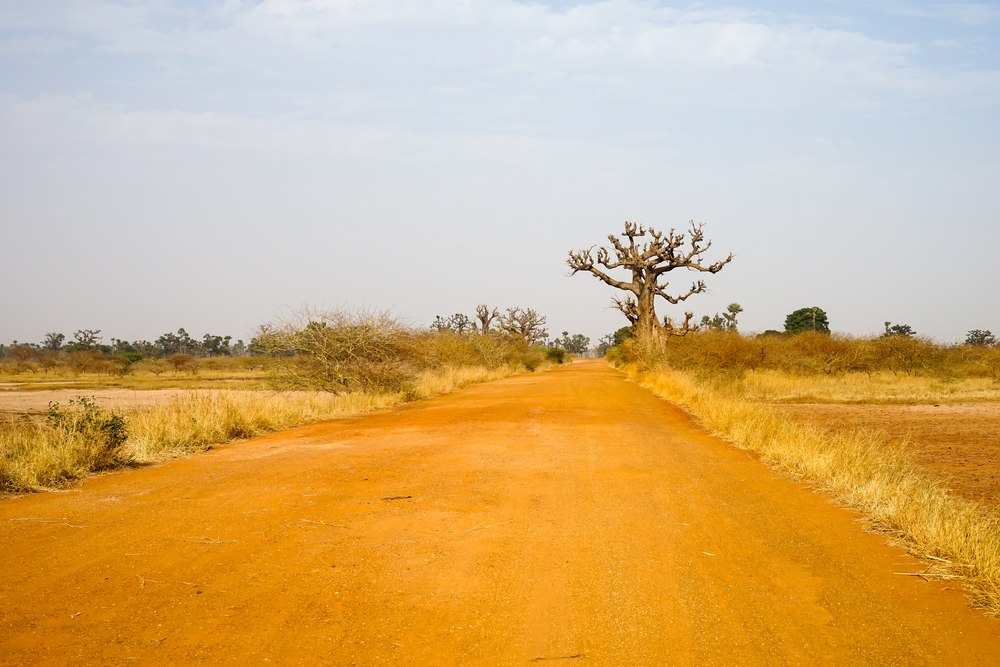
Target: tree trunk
point(646, 323)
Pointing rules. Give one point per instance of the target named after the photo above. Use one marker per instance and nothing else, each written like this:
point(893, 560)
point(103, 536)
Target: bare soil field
point(37, 402)
point(958, 441)
point(568, 516)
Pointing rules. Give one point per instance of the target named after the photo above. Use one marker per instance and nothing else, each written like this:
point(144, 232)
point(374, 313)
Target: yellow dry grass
point(959, 538)
point(212, 374)
point(34, 455)
point(883, 387)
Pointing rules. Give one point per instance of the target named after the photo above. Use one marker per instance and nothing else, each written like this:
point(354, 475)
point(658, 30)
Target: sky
point(212, 165)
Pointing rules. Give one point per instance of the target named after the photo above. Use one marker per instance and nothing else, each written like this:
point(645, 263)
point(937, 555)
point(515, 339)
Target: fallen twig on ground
point(323, 523)
point(482, 527)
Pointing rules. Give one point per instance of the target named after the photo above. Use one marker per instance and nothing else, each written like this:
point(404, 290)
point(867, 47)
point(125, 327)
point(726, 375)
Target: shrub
point(182, 361)
point(556, 355)
point(339, 350)
point(103, 432)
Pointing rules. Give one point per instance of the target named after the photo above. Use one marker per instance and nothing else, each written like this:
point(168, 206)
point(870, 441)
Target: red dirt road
point(567, 516)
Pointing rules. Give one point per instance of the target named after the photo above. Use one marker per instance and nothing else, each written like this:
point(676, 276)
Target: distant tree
point(459, 323)
point(53, 341)
point(180, 361)
point(732, 312)
point(724, 322)
point(604, 344)
point(980, 337)
point(145, 348)
point(23, 354)
point(575, 344)
point(622, 335)
point(155, 366)
point(180, 343)
point(119, 346)
point(83, 361)
point(126, 362)
point(85, 340)
point(485, 316)
point(716, 323)
point(898, 330)
point(648, 264)
point(239, 349)
point(216, 346)
point(807, 319)
point(525, 323)
point(49, 359)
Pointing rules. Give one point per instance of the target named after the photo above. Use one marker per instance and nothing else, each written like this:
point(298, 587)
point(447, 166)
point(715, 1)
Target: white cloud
point(389, 54)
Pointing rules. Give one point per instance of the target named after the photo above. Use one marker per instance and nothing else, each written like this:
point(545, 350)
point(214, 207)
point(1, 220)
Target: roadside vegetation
point(837, 368)
point(727, 380)
point(313, 365)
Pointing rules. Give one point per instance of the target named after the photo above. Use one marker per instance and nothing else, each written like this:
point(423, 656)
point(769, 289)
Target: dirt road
point(569, 517)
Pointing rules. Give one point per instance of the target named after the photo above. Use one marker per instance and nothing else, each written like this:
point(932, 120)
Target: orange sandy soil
point(958, 441)
point(568, 516)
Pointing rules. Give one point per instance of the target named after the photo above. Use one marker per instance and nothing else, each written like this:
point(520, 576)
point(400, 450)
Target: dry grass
point(882, 387)
point(960, 538)
point(34, 455)
point(215, 373)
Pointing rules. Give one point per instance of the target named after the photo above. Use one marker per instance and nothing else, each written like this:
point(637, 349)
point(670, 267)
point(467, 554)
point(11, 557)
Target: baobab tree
point(485, 316)
point(649, 263)
point(524, 323)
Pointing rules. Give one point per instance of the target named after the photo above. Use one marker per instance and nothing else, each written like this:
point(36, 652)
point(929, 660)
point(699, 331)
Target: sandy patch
point(958, 441)
point(37, 402)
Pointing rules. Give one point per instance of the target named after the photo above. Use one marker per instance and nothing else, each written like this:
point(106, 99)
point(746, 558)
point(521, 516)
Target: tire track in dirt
point(569, 517)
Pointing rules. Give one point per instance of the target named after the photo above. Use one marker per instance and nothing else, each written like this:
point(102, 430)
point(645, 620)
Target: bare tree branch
point(648, 254)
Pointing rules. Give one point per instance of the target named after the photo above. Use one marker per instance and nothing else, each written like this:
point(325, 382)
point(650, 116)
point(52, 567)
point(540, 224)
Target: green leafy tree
point(604, 344)
point(724, 322)
point(716, 323)
point(126, 362)
point(898, 330)
point(622, 335)
point(575, 344)
point(980, 337)
point(216, 346)
point(807, 319)
point(732, 312)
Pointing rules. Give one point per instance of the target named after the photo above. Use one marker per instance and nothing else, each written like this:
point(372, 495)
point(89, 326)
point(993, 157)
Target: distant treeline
point(90, 340)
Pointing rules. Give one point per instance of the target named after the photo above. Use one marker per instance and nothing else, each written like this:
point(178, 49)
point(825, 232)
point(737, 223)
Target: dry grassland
point(215, 373)
point(959, 538)
point(774, 386)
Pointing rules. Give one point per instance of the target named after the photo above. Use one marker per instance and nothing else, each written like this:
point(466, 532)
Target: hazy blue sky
point(209, 164)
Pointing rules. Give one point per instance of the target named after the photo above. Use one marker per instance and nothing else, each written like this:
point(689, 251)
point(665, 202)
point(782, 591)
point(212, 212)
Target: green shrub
point(556, 355)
